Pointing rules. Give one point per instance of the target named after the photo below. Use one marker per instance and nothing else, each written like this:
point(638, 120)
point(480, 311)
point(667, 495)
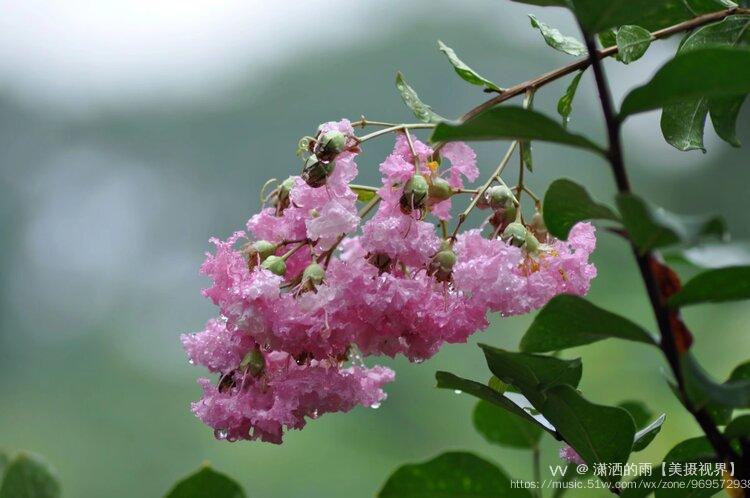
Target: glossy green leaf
point(724, 113)
point(465, 72)
point(532, 374)
point(694, 486)
point(566, 203)
point(703, 391)
point(599, 434)
point(558, 41)
point(706, 6)
point(715, 286)
point(738, 428)
point(568, 321)
point(652, 227)
point(597, 15)
point(205, 483)
point(510, 122)
point(638, 410)
point(421, 111)
point(499, 426)
point(632, 42)
point(702, 73)
point(608, 38)
point(27, 476)
point(363, 194)
point(644, 436)
point(451, 475)
point(741, 371)
point(683, 123)
point(565, 104)
point(514, 403)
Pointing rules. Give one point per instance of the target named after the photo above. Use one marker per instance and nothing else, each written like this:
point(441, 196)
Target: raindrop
point(375, 406)
point(191, 361)
point(221, 434)
point(457, 391)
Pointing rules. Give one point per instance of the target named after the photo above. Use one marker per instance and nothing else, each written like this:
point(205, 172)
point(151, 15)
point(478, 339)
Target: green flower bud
point(538, 226)
point(415, 194)
point(314, 274)
point(258, 251)
point(531, 242)
point(440, 189)
point(442, 264)
point(253, 362)
point(515, 233)
point(315, 172)
point(499, 197)
point(275, 264)
point(330, 144)
point(282, 194)
point(381, 261)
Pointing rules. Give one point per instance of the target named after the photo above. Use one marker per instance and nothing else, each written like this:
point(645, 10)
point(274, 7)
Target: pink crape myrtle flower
point(284, 395)
point(570, 455)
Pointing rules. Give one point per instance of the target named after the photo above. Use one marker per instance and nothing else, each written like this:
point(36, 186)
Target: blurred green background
point(128, 137)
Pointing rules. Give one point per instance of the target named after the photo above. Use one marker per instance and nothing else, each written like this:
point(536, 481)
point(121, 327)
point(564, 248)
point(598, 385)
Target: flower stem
point(391, 129)
point(495, 175)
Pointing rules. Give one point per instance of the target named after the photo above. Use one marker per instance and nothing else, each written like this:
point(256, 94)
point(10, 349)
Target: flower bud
point(330, 144)
point(499, 197)
point(515, 234)
point(275, 264)
point(538, 226)
point(253, 362)
point(531, 242)
point(259, 251)
point(314, 274)
point(282, 194)
point(414, 195)
point(440, 189)
point(315, 172)
point(441, 266)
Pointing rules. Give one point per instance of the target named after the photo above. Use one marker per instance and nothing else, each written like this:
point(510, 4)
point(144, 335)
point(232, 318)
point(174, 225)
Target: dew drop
point(191, 361)
point(221, 434)
point(375, 406)
point(314, 414)
point(457, 391)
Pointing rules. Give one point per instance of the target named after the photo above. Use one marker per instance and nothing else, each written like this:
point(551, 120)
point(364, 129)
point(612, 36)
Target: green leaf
point(3, 465)
point(707, 72)
point(499, 426)
point(738, 428)
point(706, 6)
point(510, 122)
point(558, 41)
point(532, 374)
point(741, 372)
point(421, 111)
point(27, 476)
point(363, 194)
point(465, 72)
point(703, 391)
point(638, 410)
point(566, 203)
point(205, 483)
point(651, 227)
point(451, 475)
point(513, 402)
point(644, 436)
point(724, 113)
point(597, 15)
point(632, 43)
point(697, 486)
point(567, 321)
point(608, 38)
point(683, 123)
point(599, 434)
point(565, 104)
point(715, 286)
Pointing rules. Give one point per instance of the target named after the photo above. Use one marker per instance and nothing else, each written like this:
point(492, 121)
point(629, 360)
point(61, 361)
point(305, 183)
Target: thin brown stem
point(671, 329)
point(556, 74)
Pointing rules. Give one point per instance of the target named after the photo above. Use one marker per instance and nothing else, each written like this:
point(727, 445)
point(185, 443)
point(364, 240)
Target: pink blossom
point(284, 395)
point(216, 347)
point(570, 455)
point(401, 237)
point(463, 161)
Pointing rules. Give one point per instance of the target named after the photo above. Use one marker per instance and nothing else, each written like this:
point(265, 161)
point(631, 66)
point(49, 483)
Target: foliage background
point(130, 133)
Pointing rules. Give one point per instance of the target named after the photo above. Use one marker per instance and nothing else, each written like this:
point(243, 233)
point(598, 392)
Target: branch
point(657, 283)
point(546, 78)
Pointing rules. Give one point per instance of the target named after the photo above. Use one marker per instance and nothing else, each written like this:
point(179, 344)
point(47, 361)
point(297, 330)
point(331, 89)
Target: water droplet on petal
point(375, 405)
point(221, 434)
point(191, 361)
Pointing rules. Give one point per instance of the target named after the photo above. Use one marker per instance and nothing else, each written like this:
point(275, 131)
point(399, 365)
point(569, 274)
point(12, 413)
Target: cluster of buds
point(293, 309)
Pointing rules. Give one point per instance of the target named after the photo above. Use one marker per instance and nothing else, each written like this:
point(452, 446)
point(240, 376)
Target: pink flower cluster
point(309, 285)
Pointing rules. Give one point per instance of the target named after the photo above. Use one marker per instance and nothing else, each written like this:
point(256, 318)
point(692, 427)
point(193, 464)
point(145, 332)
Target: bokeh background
point(132, 131)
